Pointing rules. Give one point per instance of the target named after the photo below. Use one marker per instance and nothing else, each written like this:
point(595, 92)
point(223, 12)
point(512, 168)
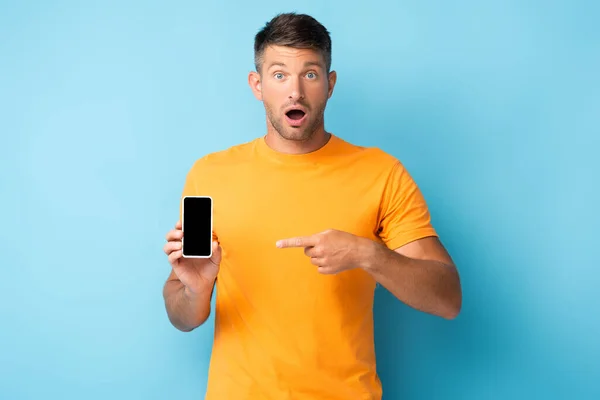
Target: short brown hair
point(299, 31)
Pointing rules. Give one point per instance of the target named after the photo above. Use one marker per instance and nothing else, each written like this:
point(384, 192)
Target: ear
point(255, 84)
point(332, 78)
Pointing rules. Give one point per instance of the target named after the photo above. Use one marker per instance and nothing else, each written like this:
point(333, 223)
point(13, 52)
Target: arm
point(186, 310)
point(411, 261)
point(420, 274)
point(188, 292)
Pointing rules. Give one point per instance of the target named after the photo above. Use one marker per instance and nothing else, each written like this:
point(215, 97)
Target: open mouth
point(295, 115)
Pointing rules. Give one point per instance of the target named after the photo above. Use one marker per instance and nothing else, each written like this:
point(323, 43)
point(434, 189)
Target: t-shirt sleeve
point(404, 215)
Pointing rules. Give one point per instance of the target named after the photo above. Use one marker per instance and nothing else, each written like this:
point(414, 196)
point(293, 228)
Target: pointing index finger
point(299, 241)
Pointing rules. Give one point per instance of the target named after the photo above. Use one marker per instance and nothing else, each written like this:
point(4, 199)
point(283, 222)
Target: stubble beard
point(299, 134)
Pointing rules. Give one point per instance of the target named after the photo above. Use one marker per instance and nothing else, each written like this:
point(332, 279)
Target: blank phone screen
point(197, 226)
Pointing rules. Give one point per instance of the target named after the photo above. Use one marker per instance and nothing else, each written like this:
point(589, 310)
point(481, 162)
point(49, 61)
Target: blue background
point(493, 106)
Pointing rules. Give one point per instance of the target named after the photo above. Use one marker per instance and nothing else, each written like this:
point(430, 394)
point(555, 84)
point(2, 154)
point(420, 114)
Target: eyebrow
point(306, 64)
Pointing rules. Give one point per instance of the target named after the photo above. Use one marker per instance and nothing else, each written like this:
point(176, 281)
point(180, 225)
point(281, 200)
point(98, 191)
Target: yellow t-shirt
point(283, 330)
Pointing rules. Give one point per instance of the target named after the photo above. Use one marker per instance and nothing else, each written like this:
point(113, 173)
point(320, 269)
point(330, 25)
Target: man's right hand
point(194, 273)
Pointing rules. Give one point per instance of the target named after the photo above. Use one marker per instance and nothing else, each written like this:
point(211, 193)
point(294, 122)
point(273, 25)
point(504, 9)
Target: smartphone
point(197, 226)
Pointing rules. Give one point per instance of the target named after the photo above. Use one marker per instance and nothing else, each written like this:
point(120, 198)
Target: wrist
point(369, 254)
point(203, 287)
point(189, 294)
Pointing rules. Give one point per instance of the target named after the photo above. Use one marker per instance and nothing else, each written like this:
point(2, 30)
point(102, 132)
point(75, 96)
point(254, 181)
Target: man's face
point(294, 87)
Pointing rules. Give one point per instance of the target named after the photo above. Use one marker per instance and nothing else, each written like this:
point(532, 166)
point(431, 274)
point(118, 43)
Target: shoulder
point(371, 157)
point(231, 156)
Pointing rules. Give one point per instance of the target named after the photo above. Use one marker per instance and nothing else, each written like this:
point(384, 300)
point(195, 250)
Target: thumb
point(216, 252)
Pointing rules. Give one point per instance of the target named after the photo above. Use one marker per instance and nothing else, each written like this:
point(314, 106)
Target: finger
point(174, 235)
point(300, 241)
point(178, 225)
point(171, 247)
point(318, 261)
point(314, 251)
point(174, 256)
point(327, 270)
point(215, 245)
point(216, 253)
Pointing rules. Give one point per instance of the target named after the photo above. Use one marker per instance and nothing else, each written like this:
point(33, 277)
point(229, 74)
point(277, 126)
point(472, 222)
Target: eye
point(311, 75)
point(278, 75)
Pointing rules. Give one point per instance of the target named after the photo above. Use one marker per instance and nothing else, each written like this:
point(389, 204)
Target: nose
point(297, 91)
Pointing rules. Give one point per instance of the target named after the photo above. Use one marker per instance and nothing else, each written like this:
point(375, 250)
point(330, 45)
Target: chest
point(257, 209)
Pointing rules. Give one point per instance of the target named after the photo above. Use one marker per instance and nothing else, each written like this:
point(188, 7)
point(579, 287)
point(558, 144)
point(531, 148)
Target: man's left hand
point(332, 251)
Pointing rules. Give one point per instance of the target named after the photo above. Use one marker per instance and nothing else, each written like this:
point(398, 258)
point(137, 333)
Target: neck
point(280, 144)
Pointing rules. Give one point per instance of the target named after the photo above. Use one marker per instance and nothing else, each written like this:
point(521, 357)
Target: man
point(305, 226)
